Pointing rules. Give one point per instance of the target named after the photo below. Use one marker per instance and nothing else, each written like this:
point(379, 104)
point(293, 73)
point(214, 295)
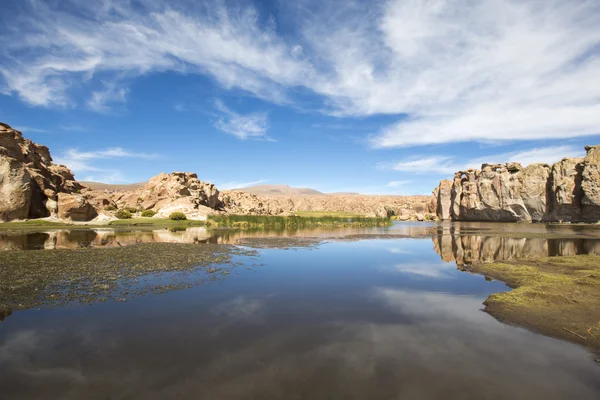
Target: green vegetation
point(177, 216)
point(148, 213)
point(156, 222)
point(319, 214)
point(56, 277)
point(132, 210)
point(558, 296)
point(123, 214)
point(31, 223)
point(110, 207)
point(293, 222)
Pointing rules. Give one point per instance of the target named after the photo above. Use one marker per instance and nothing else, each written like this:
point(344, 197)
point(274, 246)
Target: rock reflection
point(468, 249)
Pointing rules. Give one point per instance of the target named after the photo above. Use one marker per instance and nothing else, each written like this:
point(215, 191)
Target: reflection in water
point(468, 249)
point(106, 237)
point(346, 320)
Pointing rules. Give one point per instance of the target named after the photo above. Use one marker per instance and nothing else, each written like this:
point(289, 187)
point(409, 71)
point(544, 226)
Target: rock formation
point(569, 191)
point(31, 186)
point(30, 183)
point(165, 188)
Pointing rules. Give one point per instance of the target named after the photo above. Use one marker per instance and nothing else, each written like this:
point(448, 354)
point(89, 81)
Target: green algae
point(56, 277)
point(557, 296)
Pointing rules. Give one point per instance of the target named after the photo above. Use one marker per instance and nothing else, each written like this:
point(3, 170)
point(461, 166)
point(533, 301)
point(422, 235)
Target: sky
point(376, 97)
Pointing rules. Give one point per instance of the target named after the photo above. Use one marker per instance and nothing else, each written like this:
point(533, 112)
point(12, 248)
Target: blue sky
point(378, 97)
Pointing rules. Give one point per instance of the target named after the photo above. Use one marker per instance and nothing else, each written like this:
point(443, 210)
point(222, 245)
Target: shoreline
point(555, 296)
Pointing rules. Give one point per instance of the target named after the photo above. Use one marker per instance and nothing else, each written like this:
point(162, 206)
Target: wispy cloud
point(102, 100)
point(82, 162)
point(180, 107)
point(448, 165)
point(244, 126)
point(27, 129)
point(239, 185)
point(72, 128)
point(114, 152)
point(450, 70)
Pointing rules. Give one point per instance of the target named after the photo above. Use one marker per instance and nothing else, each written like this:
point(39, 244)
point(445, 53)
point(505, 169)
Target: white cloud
point(80, 161)
point(248, 126)
point(448, 165)
point(102, 100)
point(74, 154)
point(455, 70)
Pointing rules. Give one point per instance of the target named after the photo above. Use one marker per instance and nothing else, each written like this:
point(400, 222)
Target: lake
point(372, 313)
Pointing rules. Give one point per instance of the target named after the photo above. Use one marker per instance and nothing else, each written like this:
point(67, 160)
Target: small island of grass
point(556, 296)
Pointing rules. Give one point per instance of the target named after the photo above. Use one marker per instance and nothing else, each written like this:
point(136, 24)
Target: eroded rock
point(569, 191)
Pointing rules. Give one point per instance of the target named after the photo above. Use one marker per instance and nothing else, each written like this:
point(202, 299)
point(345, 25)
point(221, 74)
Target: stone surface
point(75, 207)
point(190, 206)
point(29, 181)
point(443, 200)
point(569, 191)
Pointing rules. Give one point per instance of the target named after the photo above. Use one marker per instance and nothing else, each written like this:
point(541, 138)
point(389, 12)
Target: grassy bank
point(320, 214)
point(292, 222)
point(57, 277)
point(160, 222)
point(556, 296)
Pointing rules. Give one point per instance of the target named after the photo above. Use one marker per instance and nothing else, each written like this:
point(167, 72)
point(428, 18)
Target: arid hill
point(279, 190)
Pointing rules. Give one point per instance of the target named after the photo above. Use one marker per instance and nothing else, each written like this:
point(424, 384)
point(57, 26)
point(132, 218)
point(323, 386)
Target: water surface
point(378, 313)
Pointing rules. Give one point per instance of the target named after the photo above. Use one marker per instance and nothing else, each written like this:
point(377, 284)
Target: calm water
point(353, 317)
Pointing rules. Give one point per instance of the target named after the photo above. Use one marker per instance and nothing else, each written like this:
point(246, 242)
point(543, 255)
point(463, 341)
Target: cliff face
point(569, 191)
point(31, 186)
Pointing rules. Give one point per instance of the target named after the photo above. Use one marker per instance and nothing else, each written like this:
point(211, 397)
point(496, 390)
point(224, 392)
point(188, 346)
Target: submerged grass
point(557, 296)
point(56, 277)
point(292, 222)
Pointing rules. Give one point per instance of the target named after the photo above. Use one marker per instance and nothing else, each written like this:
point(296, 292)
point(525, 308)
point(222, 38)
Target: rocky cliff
point(568, 191)
point(32, 186)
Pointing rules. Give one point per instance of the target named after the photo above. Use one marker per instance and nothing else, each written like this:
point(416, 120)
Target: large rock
point(190, 206)
point(75, 207)
point(569, 191)
point(164, 188)
point(29, 181)
point(443, 200)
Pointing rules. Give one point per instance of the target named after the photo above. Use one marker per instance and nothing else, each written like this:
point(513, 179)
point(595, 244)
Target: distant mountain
point(115, 188)
point(279, 190)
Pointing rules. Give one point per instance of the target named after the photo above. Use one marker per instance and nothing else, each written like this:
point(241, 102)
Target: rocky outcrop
point(32, 186)
point(75, 207)
point(29, 182)
point(165, 188)
point(569, 191)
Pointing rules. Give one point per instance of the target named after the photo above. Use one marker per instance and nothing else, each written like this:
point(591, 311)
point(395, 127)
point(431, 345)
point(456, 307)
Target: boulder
point(75, 207)
point(191, 207)
point(15, 190)
point(29, 181)
point(443, 200)
point(163, 189)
